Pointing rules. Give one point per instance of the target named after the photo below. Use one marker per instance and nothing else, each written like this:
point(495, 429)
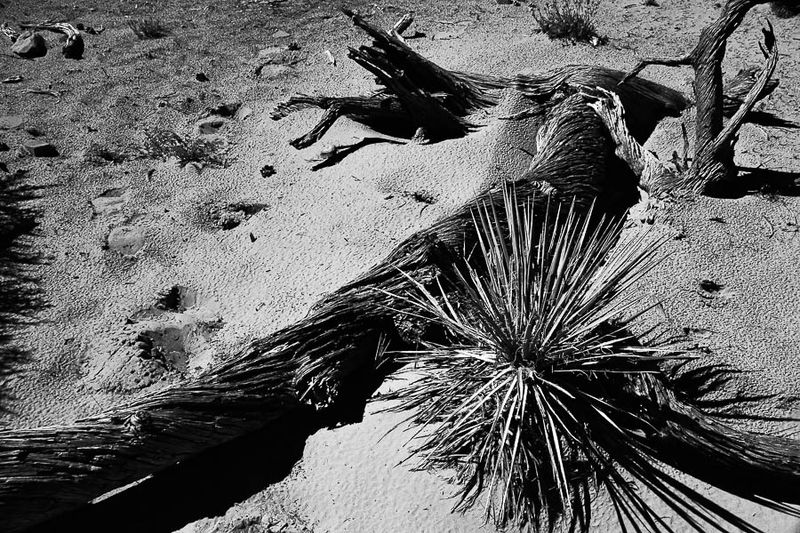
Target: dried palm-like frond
point(528, 404)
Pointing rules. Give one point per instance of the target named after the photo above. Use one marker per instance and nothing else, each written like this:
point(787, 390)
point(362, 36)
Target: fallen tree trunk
point(312, 364)
point(46, 471)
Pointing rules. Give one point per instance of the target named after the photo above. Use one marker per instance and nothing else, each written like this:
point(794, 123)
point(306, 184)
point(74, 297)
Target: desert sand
point(117, 235)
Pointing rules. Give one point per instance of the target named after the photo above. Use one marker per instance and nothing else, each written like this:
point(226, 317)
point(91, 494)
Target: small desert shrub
point(785, 8)
point(148, 28)
point(525, 404)
point(567, 19)
point(163, 144)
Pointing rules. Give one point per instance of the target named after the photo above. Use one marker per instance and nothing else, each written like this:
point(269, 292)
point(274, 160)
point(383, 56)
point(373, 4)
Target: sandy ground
point(118, 235)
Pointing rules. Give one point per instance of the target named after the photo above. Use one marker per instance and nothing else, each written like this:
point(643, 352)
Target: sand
point(118, 236)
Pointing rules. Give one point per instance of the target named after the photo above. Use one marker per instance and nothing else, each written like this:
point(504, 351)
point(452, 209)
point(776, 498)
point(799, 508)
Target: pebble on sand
point(10, 122)
point(30, 45)
point(39, 148)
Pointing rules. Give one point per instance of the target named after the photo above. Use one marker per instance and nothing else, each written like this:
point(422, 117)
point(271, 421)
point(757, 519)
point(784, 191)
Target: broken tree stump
point(713, 163)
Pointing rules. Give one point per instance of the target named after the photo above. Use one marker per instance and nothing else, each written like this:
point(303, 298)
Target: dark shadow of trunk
point(750, 180)
point(210, 483)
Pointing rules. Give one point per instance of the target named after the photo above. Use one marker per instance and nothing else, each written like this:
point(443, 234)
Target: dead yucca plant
point(165, 143)
point(567, 19)
point(148, 28)
point(532, 405)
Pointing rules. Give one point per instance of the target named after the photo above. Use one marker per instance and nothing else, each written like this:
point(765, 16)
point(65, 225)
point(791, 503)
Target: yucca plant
point(528, 404)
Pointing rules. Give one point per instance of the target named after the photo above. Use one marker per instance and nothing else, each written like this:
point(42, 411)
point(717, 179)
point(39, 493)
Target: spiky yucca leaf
point(525, 406)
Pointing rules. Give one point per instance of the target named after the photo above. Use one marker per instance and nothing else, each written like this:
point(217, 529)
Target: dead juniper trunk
point(714, 144)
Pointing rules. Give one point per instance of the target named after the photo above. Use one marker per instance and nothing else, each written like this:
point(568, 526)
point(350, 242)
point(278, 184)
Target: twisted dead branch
point(713, 163)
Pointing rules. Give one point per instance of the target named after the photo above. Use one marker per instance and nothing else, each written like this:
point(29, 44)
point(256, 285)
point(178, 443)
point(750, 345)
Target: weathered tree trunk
point(714, 147)
point(46, 471)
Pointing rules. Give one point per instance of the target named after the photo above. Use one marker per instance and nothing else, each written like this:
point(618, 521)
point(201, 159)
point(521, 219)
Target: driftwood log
point(316, 362)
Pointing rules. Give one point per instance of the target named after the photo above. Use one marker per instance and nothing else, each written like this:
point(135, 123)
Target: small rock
point(280, 34)
point(244, 112)
point(10, 122)
point(4, 168)
point(4, 147)
point(504, 2)
point(271, 71)
point(39, 148)
point(110, 201)
point(30, 45)
point(209, 126)
point(201, 77)
point(271, 51)
point(267, 171)
point(293, 46)
point(126, 240)
point(224, 110)
point(12, 79)
point(34, 132)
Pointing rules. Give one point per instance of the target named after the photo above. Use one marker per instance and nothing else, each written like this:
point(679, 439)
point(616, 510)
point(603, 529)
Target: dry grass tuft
point(148, 28)
point(567, 19)
point(163, 144)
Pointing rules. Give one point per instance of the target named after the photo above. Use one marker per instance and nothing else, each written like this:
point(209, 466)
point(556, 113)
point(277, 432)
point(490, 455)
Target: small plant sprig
point(568, 19)
point(528, 405)
point(165, 143)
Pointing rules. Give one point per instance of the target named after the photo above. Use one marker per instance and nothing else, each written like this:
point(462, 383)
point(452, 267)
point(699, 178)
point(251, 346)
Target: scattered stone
point(504, 2)
point(34, 132)
point(201, 77)
point(4, 147)
point(13, 79)
point(231, 215)
point(271, 71)
point(244, 112)
point(126, 240)
point(10, 122)
point(331, 59)
point(293, 46)
point(30, 45)
point(267, 171)
point(226, 110)
point(280, 34)
point(271, 51)
point(110, 201)
point(210, 126)
point(4, 168)
point(39, 148)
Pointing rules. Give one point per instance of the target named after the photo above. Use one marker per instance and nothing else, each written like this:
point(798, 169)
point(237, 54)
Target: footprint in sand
point(163, 342)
